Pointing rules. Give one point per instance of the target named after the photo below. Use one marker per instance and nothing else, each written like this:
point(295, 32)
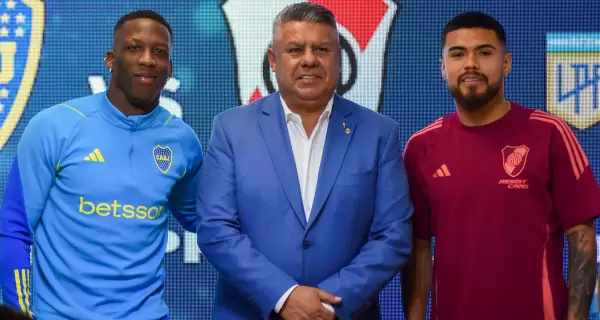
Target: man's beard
point(145, 103)
point(472, 100)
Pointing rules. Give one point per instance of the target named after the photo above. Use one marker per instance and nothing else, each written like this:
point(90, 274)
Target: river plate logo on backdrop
point(21, 31)
point(364, 29)
point(573, 77)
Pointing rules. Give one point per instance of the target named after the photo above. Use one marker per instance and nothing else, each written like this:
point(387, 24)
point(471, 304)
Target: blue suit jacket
point(252, 226)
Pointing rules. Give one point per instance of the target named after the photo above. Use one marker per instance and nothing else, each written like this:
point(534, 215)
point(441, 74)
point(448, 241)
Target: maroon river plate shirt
point(498, 199)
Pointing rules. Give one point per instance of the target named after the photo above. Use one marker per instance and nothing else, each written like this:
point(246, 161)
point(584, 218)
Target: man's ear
point(108, 60)
point(443, 69)
point(272, 60)
point(507, 64)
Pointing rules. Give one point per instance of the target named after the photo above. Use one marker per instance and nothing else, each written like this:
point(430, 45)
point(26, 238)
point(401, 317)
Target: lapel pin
point(347, 129)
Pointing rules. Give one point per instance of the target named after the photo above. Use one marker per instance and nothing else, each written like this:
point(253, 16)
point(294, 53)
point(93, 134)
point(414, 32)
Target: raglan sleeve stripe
point(574, 188)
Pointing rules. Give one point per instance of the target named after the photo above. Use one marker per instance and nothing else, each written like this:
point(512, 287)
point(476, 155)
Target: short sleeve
point(575, 192)
point(422, 213)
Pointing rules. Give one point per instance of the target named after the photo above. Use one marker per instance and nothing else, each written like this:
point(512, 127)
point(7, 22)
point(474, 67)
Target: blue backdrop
point(391, 63)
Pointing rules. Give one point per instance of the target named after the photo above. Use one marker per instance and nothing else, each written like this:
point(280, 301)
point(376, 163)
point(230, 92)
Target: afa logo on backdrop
point(573, 77)
point(21, 32)
point(364, 29)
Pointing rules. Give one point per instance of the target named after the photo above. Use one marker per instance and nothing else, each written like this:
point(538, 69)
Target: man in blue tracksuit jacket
point(91, 186)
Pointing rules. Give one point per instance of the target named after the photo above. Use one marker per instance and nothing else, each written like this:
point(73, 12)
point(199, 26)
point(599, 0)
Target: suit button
point(306, 244)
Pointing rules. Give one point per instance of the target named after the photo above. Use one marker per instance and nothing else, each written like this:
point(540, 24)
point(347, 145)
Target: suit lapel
point(339, 133)
point(275, 133)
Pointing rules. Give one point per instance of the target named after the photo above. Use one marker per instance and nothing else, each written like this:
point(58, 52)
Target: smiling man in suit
point(303, 202)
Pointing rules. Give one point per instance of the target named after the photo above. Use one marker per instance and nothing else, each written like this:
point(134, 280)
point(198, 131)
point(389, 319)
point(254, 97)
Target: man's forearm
point(582, 271)
point(233, 255)
point(416, 281)
point(413, 297)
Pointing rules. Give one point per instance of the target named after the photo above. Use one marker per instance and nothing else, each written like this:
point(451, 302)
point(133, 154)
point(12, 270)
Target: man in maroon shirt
point(498, 185)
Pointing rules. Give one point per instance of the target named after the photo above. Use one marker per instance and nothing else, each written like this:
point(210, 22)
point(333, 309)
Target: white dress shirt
point(308, 152)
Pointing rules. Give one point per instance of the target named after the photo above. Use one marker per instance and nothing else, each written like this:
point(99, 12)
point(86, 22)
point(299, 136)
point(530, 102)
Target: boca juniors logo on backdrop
point(364, 29)
point(21, 30)
point(573, 77)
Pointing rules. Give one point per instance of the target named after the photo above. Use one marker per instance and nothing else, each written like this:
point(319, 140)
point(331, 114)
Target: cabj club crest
point(21, 32)
point(163, 157)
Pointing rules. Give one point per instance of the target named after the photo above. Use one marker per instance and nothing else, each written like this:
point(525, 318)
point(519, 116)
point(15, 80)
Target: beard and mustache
point(472, 100)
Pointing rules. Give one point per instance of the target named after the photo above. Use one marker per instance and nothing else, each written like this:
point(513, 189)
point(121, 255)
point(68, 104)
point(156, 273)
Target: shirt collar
point(116, 117)
point(290, 116)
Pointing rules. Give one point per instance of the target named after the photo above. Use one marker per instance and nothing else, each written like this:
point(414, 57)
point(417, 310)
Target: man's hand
point(304, 303)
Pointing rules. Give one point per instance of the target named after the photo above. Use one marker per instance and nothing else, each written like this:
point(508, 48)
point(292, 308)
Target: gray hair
point(305, 11)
